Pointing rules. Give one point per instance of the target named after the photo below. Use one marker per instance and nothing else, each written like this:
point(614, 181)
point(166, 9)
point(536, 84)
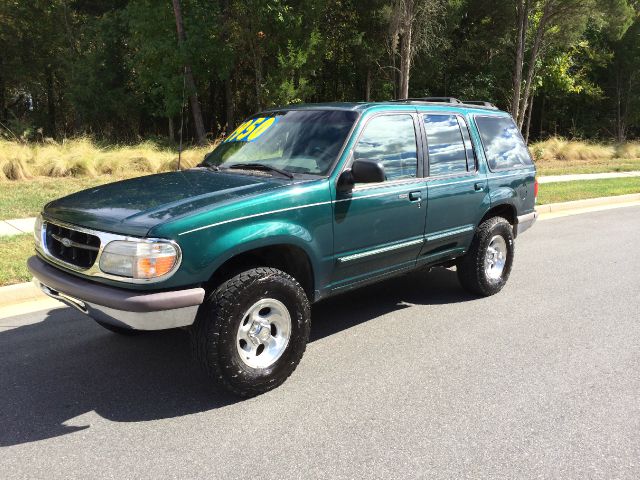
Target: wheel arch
point(286, 256)
point(505, 210)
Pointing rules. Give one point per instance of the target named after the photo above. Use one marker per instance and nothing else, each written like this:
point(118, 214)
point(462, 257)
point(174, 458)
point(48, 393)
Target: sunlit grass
point(14, 252)
point(20, 199)
point(582, 189)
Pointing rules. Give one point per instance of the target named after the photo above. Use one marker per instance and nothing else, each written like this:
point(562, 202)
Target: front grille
point(71, 246)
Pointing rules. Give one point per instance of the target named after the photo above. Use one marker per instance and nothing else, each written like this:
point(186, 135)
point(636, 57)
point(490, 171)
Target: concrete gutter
point(27, 298)
point(617, 200)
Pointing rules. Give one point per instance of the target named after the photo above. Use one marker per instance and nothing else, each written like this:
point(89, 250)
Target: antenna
point(184, 85)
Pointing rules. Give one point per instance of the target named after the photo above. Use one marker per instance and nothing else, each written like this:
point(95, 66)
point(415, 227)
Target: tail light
point(535, 190)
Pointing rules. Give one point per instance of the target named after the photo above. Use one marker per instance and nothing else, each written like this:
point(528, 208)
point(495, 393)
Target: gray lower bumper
point(119, 307)
point(525, 222)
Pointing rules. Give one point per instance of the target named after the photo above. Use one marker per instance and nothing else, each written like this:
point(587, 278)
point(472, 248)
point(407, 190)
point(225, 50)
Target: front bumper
point(115, 306)
point(525, 222)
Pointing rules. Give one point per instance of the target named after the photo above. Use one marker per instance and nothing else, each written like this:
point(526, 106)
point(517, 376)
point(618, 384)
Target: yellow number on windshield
point(252, 129)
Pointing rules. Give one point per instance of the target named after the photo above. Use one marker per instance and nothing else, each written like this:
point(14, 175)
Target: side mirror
point(361, 171)
point(367, 171)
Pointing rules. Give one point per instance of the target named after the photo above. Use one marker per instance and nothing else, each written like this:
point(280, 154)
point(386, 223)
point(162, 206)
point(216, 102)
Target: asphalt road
point(411, 378)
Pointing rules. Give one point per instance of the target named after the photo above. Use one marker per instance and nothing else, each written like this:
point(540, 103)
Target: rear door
point(458, 193)
point(379, 228)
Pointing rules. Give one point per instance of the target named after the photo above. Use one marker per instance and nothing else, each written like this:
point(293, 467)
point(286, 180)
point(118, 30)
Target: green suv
point(296, 205)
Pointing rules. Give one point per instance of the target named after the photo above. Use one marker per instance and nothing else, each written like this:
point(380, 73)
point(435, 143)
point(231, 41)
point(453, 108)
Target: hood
point(133, 207)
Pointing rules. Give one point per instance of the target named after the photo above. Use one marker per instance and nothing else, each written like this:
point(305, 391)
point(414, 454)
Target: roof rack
point(430, 99)
point(480, 103)
point(450, 100)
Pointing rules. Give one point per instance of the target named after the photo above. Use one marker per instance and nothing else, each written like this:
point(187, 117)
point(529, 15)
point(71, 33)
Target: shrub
point(557, 148)
point(82, 157)
point(628, 150)
point(14, 159)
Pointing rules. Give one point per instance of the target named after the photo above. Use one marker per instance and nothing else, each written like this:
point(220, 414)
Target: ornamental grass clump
point(556, 148)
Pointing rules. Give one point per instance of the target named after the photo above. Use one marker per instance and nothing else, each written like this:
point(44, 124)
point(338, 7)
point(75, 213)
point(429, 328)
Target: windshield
point(297, 141)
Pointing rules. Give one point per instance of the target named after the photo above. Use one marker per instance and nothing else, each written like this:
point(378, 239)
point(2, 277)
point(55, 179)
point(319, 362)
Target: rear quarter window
point(502, 142)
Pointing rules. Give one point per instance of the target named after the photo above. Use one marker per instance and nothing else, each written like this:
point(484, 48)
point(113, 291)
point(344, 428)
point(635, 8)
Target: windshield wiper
point(210, 166)
point(261, 166)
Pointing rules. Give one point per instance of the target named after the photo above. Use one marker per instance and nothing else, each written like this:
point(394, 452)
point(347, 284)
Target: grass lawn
point(14, 252)
point(567, 167)
point(25, 198)
point(581, 189)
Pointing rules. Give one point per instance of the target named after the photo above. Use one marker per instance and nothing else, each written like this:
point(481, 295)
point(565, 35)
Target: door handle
point(415, 196)
point(478, 186)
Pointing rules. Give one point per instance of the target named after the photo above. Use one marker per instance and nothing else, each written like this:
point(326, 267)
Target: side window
point(502, 142)
point(391, 140)
point(447, 150)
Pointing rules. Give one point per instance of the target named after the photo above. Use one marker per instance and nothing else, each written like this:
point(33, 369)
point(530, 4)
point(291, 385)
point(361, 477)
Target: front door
point(379, 228)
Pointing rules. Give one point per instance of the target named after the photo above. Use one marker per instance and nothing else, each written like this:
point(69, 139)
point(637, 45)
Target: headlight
point(37, 230)
point(139, 259)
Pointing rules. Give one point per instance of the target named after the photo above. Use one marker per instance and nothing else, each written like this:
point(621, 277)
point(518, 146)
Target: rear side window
point(446, 147)
point(503, 144)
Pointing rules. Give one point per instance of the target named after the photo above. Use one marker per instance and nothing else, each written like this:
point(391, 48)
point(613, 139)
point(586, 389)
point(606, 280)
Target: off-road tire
point(213, 335)
point(127, 332)
point(471, 267)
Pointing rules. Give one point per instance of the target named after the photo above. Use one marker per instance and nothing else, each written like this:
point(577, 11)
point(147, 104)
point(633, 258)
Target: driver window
point(390, 140)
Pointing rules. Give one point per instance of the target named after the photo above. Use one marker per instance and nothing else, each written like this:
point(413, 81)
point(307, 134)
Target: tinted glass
point(299, 141)
point(391, 140)
point(471, 157)
point(503, 144)
point(446, 146)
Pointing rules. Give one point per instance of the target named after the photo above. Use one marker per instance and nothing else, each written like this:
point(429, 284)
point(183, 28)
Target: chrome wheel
point(264, 333)
point(495, 258)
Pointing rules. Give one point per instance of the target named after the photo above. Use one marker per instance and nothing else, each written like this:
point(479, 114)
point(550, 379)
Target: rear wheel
point(485, 269)
point(252, 331)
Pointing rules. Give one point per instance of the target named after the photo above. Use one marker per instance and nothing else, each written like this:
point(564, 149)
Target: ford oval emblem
point(66, 242)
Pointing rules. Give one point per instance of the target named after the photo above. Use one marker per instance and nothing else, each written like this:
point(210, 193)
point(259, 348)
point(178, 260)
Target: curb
point(19, 293)
point(589, 202)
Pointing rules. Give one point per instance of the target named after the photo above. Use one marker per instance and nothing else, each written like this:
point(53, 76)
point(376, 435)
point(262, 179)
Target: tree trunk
point(191, 84)
point(257, 65)
point(619, 128)
point(529, 113)
point(367, 86)
point(405, 60)
point(3, 96)
point(522, 9)
point(396, 76)
point(229, 114)
point(172, 134)
point(544, 103)
point(51, 104)
point(535, 51)
point(228, 106)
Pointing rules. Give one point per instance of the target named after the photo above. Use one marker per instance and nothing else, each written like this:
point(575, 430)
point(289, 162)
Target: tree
point(414, 27)
point(627, 80)
point(188, 74)
point(539, 23)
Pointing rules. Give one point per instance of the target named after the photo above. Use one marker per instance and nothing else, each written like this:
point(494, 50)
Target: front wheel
point(252, 331)
point(485, 269)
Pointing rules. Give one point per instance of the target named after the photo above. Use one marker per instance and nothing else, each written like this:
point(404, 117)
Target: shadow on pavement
point(65, 366)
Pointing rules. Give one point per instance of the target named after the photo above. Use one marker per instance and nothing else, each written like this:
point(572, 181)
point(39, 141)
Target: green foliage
point(113, 69)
